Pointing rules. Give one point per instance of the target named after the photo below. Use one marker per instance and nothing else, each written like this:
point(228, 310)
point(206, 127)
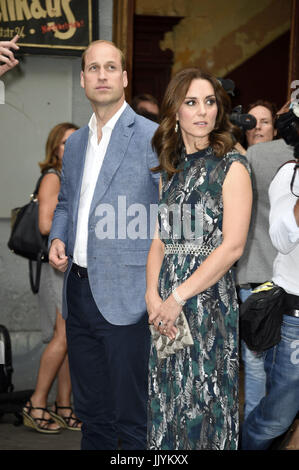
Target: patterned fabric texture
point(193, 394)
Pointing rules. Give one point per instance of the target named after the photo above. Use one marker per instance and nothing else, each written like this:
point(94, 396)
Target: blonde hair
point(54, 140)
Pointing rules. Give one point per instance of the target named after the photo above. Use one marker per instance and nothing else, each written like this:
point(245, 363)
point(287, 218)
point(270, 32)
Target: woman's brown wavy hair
point(169, 144)
point(54, 139)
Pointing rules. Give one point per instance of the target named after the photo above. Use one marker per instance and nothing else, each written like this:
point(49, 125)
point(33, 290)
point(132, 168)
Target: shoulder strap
point(285, 163)
point(52, 170)
point(35, 192)
point(49, 171)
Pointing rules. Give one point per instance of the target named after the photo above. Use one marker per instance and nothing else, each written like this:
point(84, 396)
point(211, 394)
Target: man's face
point(103, 78)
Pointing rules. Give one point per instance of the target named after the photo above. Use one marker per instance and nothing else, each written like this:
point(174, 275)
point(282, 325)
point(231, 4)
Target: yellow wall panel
point(217, 35)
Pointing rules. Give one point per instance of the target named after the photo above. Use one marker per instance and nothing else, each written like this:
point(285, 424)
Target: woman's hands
point(163, 314)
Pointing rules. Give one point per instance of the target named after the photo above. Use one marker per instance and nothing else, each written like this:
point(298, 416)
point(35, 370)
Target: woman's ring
point(160, 323)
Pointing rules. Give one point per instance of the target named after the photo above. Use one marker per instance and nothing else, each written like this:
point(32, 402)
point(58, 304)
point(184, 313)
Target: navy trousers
point(109, 373)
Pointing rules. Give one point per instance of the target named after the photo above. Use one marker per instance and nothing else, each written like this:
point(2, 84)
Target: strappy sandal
point(65, 421)
point(39, 424)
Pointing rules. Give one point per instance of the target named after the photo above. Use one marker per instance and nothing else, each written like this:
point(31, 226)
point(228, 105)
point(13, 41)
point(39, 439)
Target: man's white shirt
point(95, 155)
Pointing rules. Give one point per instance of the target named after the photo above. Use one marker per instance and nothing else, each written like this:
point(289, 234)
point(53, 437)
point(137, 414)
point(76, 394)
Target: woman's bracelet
point(177, 298)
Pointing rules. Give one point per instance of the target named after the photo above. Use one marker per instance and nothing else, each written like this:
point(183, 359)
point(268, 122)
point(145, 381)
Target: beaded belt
point(187, 248)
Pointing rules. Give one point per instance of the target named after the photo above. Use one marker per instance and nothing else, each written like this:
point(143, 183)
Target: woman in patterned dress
point(193, 393)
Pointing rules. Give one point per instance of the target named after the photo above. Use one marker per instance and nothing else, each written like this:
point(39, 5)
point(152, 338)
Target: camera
point(244, 121)
point(287, 125)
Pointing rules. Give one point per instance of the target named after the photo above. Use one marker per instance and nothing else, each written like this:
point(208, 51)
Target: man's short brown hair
point(103, 41)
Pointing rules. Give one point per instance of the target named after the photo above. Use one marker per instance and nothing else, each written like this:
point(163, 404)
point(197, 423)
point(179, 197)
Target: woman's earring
point(176, 126)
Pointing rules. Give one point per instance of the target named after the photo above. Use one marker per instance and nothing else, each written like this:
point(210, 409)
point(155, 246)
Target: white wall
point(42, 92)
point(35, 100)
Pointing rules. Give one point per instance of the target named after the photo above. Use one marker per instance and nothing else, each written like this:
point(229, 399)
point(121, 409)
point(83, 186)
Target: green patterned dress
point(193, 394)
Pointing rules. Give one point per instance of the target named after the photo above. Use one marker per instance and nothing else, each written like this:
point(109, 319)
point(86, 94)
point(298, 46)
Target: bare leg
point(63, 399)
point(64, 387)
point(50, 363)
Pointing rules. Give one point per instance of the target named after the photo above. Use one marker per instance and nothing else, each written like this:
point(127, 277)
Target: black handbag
point(261, 317)
point(25, 238)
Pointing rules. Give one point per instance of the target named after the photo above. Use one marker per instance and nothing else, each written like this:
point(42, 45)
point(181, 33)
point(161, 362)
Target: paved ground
point(19, 437)
point(22, 438)
point(14, 437)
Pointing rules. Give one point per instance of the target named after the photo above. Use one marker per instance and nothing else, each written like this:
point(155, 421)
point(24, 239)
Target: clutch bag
point(165, 346)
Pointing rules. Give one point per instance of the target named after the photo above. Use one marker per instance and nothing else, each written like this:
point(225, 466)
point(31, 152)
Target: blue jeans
point(255, 376)
point(277, 410)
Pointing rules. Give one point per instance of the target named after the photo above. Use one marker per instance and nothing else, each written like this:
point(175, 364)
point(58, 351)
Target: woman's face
point(264, 130)
point(197, 115)
point(60, 149)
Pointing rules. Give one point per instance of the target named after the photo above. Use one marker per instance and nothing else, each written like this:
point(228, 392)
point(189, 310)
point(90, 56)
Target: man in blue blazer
point(100, 237)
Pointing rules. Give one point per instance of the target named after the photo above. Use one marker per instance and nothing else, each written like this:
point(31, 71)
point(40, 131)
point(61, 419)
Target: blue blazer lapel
point(115, 153)
point(81, 152)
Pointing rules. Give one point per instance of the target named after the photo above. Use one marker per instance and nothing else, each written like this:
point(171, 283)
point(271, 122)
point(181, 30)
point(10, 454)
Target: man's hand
point(57, 257)
point(7, 56)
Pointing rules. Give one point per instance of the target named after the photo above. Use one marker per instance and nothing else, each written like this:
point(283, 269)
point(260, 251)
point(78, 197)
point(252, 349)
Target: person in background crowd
point(193, 393)
point(275, 413)
point(54, 360)
point(255, 266)
point(146, 105)
point(264, 131)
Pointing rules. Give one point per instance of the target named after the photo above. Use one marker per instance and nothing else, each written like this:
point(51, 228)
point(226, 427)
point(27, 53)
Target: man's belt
point(79, 270)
